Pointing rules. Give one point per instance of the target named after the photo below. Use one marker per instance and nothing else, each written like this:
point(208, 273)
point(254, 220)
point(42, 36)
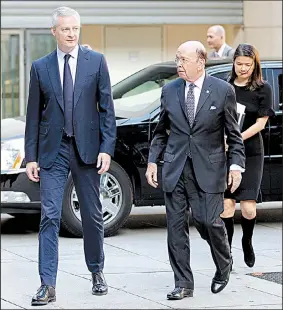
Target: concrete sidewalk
point(138, 271)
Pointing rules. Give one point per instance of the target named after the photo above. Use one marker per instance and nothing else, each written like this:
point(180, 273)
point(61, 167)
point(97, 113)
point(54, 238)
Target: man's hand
point(104, 161)
point(234, 179)
point(151, 174)
point(32, 172)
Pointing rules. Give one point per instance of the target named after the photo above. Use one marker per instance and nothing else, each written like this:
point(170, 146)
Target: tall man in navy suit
point(70, 126)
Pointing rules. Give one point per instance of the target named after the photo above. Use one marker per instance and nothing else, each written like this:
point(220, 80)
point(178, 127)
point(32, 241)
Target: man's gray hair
point(219, 30)
point(64, 11)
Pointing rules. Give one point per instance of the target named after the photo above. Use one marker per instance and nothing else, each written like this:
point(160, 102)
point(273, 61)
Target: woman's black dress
point(258, 104)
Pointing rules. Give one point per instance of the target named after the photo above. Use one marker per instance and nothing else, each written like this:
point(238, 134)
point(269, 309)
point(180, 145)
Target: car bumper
point(18, 193)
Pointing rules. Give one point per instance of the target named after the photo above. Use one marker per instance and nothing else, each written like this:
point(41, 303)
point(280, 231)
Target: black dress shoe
point(44, 295)
point(99, 284)
point(249, 255)
point(219, 281)
point(180, 293)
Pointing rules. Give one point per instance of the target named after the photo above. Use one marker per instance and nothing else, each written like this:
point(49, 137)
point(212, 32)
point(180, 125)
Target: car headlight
point(12, 153)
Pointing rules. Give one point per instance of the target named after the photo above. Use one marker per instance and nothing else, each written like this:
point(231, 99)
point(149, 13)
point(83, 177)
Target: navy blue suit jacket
point(93, 117)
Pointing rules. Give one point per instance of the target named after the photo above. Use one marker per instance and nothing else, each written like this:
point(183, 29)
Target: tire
point(70, 220)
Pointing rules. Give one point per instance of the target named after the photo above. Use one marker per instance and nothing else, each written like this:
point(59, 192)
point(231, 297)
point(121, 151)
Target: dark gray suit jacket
point(216, 112)
point(228, 52)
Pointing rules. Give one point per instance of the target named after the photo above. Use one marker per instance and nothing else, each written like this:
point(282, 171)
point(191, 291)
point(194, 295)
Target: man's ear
point(52, 29)
point(202, 62)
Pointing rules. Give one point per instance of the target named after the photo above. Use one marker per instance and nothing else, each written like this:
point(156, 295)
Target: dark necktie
point(190, 104)
point(68, 97)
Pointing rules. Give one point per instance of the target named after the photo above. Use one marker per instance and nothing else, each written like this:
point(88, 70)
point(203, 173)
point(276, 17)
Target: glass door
point(12, 74)
point(38, 44)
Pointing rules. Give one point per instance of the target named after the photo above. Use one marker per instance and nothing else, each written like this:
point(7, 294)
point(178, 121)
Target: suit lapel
point(181, 95)
point(54, 75)
point(205, 93)
point(226, 50)
point(81, 73)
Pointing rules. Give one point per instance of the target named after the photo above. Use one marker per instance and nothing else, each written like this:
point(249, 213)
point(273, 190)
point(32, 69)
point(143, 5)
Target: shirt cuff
point(237, 167)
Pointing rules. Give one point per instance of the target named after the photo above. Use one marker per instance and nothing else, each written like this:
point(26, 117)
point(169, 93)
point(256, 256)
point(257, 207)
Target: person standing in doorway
point(216, 41)
point(70, 126)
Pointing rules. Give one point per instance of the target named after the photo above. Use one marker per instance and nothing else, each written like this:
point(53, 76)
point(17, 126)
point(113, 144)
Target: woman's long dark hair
point(255, 80)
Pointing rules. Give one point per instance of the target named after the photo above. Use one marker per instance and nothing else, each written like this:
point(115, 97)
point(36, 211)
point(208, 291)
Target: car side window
point(277, 88)
point(139, 95)
point(147, 86)
point(222, 75)
point(279, 81)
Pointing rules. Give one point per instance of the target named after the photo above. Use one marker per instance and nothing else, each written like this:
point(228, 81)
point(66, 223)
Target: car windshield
point(139, 94)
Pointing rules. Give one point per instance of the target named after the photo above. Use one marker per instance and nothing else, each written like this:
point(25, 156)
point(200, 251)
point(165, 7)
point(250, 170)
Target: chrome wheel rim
point(110, 197)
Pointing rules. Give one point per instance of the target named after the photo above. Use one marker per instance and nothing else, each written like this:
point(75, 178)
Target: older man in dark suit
point(196, 109)
point(70, 126)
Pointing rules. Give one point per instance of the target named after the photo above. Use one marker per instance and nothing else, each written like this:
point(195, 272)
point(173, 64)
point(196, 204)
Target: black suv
point(137, 106)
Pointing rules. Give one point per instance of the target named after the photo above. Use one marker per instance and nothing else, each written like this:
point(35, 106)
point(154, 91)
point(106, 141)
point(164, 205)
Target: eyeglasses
point(184, 60)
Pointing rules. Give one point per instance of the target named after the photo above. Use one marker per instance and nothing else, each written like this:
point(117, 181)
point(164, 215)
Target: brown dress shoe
point(99, 284)
point(44, 295)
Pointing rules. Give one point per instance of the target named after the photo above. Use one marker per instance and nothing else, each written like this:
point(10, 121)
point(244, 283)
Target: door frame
point(21, 68)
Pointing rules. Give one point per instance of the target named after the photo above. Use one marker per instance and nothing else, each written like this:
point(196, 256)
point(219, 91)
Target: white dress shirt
point(197, 91)
point(72, 63)
point(221, 50)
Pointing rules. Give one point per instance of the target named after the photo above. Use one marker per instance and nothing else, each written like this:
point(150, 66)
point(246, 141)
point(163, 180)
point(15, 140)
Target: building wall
point(129, 48)
point(94, 36)
point(174, 35)
point(130, 39)
point(263, 26)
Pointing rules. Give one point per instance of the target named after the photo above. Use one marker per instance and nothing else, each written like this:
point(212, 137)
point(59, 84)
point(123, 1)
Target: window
point(277, 88)
point(145, 87)
point(38, 44)
point(222, 75)
point(11, 73)
point(154, 82)
point(139, 94)
point(280, 90)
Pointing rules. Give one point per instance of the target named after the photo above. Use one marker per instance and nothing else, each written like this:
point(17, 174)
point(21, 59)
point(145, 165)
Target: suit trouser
point(206, 209)
point(52, 185)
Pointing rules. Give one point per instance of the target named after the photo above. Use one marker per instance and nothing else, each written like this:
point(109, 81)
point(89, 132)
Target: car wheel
point(116, 195)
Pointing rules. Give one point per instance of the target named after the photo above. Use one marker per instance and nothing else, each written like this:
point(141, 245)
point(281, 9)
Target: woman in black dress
point(256, 95)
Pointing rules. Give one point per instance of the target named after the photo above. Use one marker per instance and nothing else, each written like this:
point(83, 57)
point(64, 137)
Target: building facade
point(131, 34)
